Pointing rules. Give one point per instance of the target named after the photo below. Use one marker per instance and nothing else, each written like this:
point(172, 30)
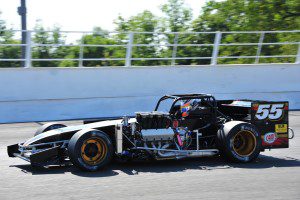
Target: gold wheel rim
point(244, 143)
point(93, 151)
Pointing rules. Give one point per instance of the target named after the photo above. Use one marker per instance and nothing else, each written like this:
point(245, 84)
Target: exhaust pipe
point(170, 153)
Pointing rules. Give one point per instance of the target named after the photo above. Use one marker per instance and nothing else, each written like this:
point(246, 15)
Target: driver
point(187, 106)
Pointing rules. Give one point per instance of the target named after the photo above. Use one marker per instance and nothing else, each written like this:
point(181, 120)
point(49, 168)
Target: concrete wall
point(42, 94)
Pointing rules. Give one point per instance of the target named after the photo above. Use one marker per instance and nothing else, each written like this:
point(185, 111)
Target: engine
point(153, 120)
point(150, 135)
point(156, 132)
point(155, 126)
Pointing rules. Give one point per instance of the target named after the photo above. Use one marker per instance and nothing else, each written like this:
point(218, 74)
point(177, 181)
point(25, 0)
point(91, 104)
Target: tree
point(42, 38)
point(178, 15)
point(142, 22)
point(99, 37)
point(251, 15)
point(226, 15)
point(2, 26)
point(177, 19)
point(8, 52)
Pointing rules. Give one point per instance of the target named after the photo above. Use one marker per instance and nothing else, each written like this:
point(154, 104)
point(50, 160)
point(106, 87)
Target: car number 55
point(271, 111)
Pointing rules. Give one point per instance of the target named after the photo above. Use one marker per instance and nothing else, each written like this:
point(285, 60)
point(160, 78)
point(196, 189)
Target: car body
point(195, 125)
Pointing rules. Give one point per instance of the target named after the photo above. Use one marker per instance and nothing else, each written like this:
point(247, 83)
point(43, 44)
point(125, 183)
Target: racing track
point(275, 175)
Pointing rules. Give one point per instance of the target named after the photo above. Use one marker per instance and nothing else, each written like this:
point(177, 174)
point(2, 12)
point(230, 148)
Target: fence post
point(28, 50)
point(174, 52)
point(298, 55)
point(214, 59)
point(129, 49)
point(259, 46)
point(80, 62)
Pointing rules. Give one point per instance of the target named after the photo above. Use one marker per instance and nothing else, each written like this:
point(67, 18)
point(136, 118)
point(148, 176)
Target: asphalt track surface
point(274, 175)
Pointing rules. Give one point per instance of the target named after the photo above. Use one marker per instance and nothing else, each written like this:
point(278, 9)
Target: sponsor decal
point(270, 138)
point(286, 106)
point(281, 128)
point(255, 106)
point(246, 128)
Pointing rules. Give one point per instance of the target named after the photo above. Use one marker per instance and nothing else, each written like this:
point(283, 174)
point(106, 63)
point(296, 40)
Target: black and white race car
point(196, 125)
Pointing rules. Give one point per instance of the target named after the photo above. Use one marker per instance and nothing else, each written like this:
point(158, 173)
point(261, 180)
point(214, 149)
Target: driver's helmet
point(185, 107)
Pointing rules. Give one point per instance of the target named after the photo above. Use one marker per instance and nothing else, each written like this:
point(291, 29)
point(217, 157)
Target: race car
point(181, 126)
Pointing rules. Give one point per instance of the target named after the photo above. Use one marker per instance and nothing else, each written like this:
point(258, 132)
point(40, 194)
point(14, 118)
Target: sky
point(82, 15)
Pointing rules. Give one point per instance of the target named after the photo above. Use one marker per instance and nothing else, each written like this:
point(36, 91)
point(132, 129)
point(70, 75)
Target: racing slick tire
point(90, 149)
point(48, 127)
point(239, 141)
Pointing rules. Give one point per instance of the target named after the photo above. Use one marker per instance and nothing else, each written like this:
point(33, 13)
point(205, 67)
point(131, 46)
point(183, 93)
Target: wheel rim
point(93, 151)
point(244, 143)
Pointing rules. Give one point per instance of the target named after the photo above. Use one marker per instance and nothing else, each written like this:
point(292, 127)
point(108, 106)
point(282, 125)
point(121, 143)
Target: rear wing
point(271, 118)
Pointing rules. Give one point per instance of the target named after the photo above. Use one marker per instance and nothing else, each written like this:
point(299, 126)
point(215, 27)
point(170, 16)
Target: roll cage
point(208, 99)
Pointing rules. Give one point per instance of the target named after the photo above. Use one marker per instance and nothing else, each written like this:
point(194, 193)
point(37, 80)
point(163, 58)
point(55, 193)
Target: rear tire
point(90, 149)
point(48, 127)
point(239, 141)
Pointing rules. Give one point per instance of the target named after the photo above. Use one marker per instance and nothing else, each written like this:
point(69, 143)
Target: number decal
point(262, 111)
point(271, 111)
point(276, 111)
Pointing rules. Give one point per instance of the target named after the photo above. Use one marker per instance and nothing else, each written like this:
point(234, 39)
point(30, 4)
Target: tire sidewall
point(76, 143)
point(228, 140)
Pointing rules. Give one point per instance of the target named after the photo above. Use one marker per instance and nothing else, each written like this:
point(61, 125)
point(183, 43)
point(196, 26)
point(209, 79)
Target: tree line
point(228, 15)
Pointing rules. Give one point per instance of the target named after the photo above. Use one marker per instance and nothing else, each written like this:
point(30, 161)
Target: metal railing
point(164, 43)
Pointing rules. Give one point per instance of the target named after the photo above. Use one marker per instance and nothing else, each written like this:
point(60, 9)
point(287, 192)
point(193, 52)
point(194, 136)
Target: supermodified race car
point(196, 125)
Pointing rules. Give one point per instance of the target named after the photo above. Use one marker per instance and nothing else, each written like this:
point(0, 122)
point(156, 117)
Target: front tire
point(239, 141)
point(90, 149)
point(48, 127)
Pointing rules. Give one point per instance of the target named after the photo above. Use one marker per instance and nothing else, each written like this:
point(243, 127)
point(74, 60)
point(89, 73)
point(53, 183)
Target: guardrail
point(164, 43)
